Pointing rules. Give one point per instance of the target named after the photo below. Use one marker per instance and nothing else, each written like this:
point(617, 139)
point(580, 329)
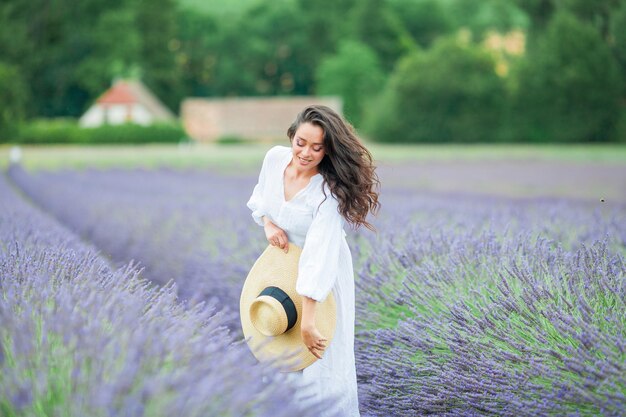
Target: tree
point(13, 100)
point(115, 51)
point(424, 20)
point(354, 73)
point(447, 93)
point(48, 42)
point(618, 36)
point(539, 11)
point(597, 13)
point(569, 85)
point(196, 54)
point(156, 23)
point(375, 24)
point(325, 26)
point(481, 16)
point(265, 52)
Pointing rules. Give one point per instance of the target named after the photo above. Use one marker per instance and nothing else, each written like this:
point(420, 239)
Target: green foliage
point(618, 35)
point(156, 23)
point(49, 131)
point(67, 53)
point(51, 43)
point(485, 15)
point(375, 24)
point(325, 24)
point(67, 131)
point(264, 52)
point(424, 20)
point(70, 51)
point(597, 12)
point(115, 45)
point(219, 8)
point(539, 11)
point(354, 73)
point(447, 93)
point(197, 52)
point(13, 99)
point(569, 86)
point(132, 133)
point(231, 140)
point(620, 135)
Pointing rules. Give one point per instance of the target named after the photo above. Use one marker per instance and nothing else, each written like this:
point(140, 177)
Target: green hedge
point(448, 93)
point(59, 131)
point(569, 86)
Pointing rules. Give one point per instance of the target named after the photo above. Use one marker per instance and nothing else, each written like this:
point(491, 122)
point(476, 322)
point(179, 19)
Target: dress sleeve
point(319, 261)
point(257, 200)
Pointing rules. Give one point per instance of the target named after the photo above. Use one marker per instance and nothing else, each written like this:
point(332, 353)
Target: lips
point(304, 161)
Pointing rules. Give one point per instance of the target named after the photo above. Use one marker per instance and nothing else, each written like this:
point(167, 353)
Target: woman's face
point(308, 147)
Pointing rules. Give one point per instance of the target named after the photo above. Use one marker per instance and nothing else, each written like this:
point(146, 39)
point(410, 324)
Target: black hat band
point(287, 303)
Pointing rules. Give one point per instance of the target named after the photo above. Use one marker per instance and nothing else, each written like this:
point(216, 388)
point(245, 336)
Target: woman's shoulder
point(321, 193)
point(277, 152)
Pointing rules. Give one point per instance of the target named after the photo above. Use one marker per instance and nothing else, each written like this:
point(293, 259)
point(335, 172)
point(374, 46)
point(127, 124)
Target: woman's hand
point(313, 340)
point(311, 337)
point(275, 235)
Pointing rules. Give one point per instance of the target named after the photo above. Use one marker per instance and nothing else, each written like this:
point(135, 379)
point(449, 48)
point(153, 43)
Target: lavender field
point(82, 337)
point(120, 289)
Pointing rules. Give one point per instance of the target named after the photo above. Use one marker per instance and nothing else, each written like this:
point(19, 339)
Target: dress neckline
point(282, 177)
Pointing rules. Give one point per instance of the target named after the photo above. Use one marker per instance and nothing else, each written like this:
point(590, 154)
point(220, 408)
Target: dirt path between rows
point(587, 181)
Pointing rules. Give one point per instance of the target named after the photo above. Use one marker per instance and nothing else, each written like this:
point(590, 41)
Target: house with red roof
point(127, 101)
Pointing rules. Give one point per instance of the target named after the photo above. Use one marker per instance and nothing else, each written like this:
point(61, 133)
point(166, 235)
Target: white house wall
point(141, 115)
point(117, 114)
point(93, 117)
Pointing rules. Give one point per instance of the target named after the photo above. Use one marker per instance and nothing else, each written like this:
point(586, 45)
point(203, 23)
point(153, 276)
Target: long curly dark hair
point(347, 166)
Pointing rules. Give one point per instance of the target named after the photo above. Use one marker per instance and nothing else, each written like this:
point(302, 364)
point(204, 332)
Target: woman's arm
point(257, 202)
point(312, 338)
point(318, 267)
point(275, 235)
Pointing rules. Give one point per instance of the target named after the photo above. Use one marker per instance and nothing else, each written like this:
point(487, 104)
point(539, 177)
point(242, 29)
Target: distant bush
point(620, 136)
point(449, 93)
point(49, 131)
point(60, 131)
point(231, 140)
point(131, 133)
point(13, 99)
point(569, 86)
point(618, 20)
point(355, 74)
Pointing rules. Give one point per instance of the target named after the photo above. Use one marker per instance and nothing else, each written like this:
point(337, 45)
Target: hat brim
point(276, 268)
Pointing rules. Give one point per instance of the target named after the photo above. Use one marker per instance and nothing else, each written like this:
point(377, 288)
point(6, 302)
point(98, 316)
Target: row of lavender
point(82, 338)
point(515, 309)
point(467, 305)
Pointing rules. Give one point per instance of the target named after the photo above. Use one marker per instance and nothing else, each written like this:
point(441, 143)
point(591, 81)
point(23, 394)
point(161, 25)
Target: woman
point(305, 195)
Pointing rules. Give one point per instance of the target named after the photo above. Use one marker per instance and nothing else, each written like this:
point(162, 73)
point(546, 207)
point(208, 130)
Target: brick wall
point(265, 118)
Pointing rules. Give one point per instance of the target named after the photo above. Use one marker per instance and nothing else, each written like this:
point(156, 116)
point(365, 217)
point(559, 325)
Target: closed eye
point(301, 143)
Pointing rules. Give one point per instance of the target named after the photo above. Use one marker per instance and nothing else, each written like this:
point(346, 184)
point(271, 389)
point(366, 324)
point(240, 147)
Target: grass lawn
point(248, 156)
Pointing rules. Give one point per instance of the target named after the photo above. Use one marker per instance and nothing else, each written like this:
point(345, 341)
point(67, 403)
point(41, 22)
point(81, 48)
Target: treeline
point(408, 70)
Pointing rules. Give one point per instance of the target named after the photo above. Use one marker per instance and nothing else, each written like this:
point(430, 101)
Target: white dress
point(325, 265)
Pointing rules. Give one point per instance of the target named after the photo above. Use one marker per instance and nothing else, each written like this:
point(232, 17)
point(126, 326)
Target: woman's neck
point(294, 173)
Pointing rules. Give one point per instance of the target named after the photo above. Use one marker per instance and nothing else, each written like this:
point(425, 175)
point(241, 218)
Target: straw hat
point(271, 311)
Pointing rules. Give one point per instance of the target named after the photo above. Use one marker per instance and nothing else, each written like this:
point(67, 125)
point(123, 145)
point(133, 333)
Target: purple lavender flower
point(467, 304)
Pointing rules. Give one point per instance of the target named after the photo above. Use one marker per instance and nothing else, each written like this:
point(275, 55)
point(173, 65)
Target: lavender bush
point(182, 227)
point(467, 304)
point(498, 328)
point(80, 338)
point(494, 307)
